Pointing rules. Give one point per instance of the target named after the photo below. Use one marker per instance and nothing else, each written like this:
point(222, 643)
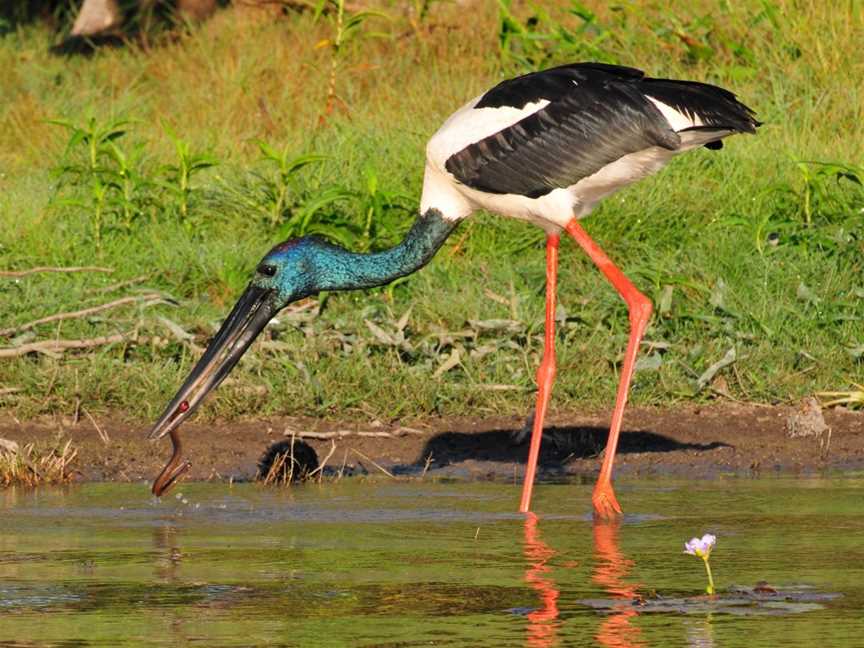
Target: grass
point(179, 164)
point(33, 465)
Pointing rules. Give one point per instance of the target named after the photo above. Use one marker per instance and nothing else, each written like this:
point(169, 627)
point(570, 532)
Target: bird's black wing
point(551, 84)
point(716, 107)
point(596, 114)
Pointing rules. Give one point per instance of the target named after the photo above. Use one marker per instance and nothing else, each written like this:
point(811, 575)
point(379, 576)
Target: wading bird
point(545, 147)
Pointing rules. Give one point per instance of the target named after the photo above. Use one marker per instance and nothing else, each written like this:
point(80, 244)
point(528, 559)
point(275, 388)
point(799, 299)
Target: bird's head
point(289, 270)
point(287, 273)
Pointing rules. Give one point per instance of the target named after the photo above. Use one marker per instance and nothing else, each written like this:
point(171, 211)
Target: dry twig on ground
point(373, 462)
point(79, 313)
point(339, 434)
point(320, 468)
point(120, 284)
point(56, 347)
point(102, 433)
point(24, 273)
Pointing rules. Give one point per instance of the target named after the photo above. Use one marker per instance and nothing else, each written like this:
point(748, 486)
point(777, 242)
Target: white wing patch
point(469, 125)
point(677, 120)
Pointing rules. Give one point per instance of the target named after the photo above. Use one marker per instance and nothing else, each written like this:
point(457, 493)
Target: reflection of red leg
point(545, 373)
point(611, 567)
point(542, 623)
point(605, 504)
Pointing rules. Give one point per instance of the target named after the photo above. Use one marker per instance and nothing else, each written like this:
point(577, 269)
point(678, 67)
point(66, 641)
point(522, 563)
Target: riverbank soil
point(683, 441)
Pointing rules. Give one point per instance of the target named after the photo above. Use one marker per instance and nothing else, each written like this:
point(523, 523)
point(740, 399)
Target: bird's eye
point(267, 269)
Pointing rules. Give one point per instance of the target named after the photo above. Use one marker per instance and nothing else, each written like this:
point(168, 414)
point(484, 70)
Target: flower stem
point(710, 588)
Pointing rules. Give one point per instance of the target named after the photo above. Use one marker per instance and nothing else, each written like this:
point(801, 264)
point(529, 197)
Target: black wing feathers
point(715, 106)
point(597, 114)
point(569, 139)
point(551, 84)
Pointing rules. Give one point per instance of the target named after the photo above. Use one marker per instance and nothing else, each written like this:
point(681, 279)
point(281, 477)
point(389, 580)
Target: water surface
point(378, 563)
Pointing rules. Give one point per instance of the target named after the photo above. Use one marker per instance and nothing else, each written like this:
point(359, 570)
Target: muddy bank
point(685, 441)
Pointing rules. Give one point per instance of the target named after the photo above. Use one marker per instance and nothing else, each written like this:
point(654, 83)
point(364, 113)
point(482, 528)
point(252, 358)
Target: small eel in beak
point(176, 465)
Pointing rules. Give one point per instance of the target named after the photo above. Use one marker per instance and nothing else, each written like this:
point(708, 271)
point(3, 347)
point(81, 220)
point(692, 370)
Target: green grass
point(757, 247)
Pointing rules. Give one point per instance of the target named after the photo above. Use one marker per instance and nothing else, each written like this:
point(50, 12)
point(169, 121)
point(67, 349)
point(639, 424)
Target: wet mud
point(692, 442)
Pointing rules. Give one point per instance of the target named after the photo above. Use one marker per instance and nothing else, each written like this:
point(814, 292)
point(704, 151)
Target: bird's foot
point(606, 507)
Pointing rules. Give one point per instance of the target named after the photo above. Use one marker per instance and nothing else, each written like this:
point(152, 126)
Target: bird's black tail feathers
point(717, 108)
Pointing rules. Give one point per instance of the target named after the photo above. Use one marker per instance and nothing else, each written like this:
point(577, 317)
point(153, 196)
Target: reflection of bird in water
point(168, 555)
point(610, 568)
point(543, 622)
point(167, 567)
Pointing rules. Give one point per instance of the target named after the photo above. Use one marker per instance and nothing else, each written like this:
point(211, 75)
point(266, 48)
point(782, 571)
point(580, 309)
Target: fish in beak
point(255, 308)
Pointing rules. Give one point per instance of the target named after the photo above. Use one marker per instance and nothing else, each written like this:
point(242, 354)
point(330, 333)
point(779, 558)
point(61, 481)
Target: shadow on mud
point(560, 446)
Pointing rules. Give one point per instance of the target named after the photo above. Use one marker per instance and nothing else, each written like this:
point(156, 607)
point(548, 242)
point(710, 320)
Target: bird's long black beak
point(250, 315)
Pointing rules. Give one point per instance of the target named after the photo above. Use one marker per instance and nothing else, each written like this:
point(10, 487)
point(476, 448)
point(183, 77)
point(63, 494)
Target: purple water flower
point(701, 546)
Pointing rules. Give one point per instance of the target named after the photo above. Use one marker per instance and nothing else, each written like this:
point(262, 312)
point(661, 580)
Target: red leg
point(546, 371)
point(605, 504)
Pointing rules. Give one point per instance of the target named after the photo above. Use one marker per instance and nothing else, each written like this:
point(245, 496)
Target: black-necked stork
point(545, 147)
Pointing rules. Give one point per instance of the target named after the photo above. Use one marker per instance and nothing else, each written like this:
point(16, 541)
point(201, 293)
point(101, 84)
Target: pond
point(383, 563)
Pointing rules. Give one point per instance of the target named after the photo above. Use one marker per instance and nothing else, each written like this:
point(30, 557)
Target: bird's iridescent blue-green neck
point(301, 267)
point(290, 271)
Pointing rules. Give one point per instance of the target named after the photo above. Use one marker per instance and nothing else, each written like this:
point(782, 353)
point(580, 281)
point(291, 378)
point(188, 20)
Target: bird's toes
point(605, 504)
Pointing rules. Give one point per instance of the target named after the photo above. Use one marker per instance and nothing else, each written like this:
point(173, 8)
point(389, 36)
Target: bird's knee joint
point(641, 309)
point(546, 372)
